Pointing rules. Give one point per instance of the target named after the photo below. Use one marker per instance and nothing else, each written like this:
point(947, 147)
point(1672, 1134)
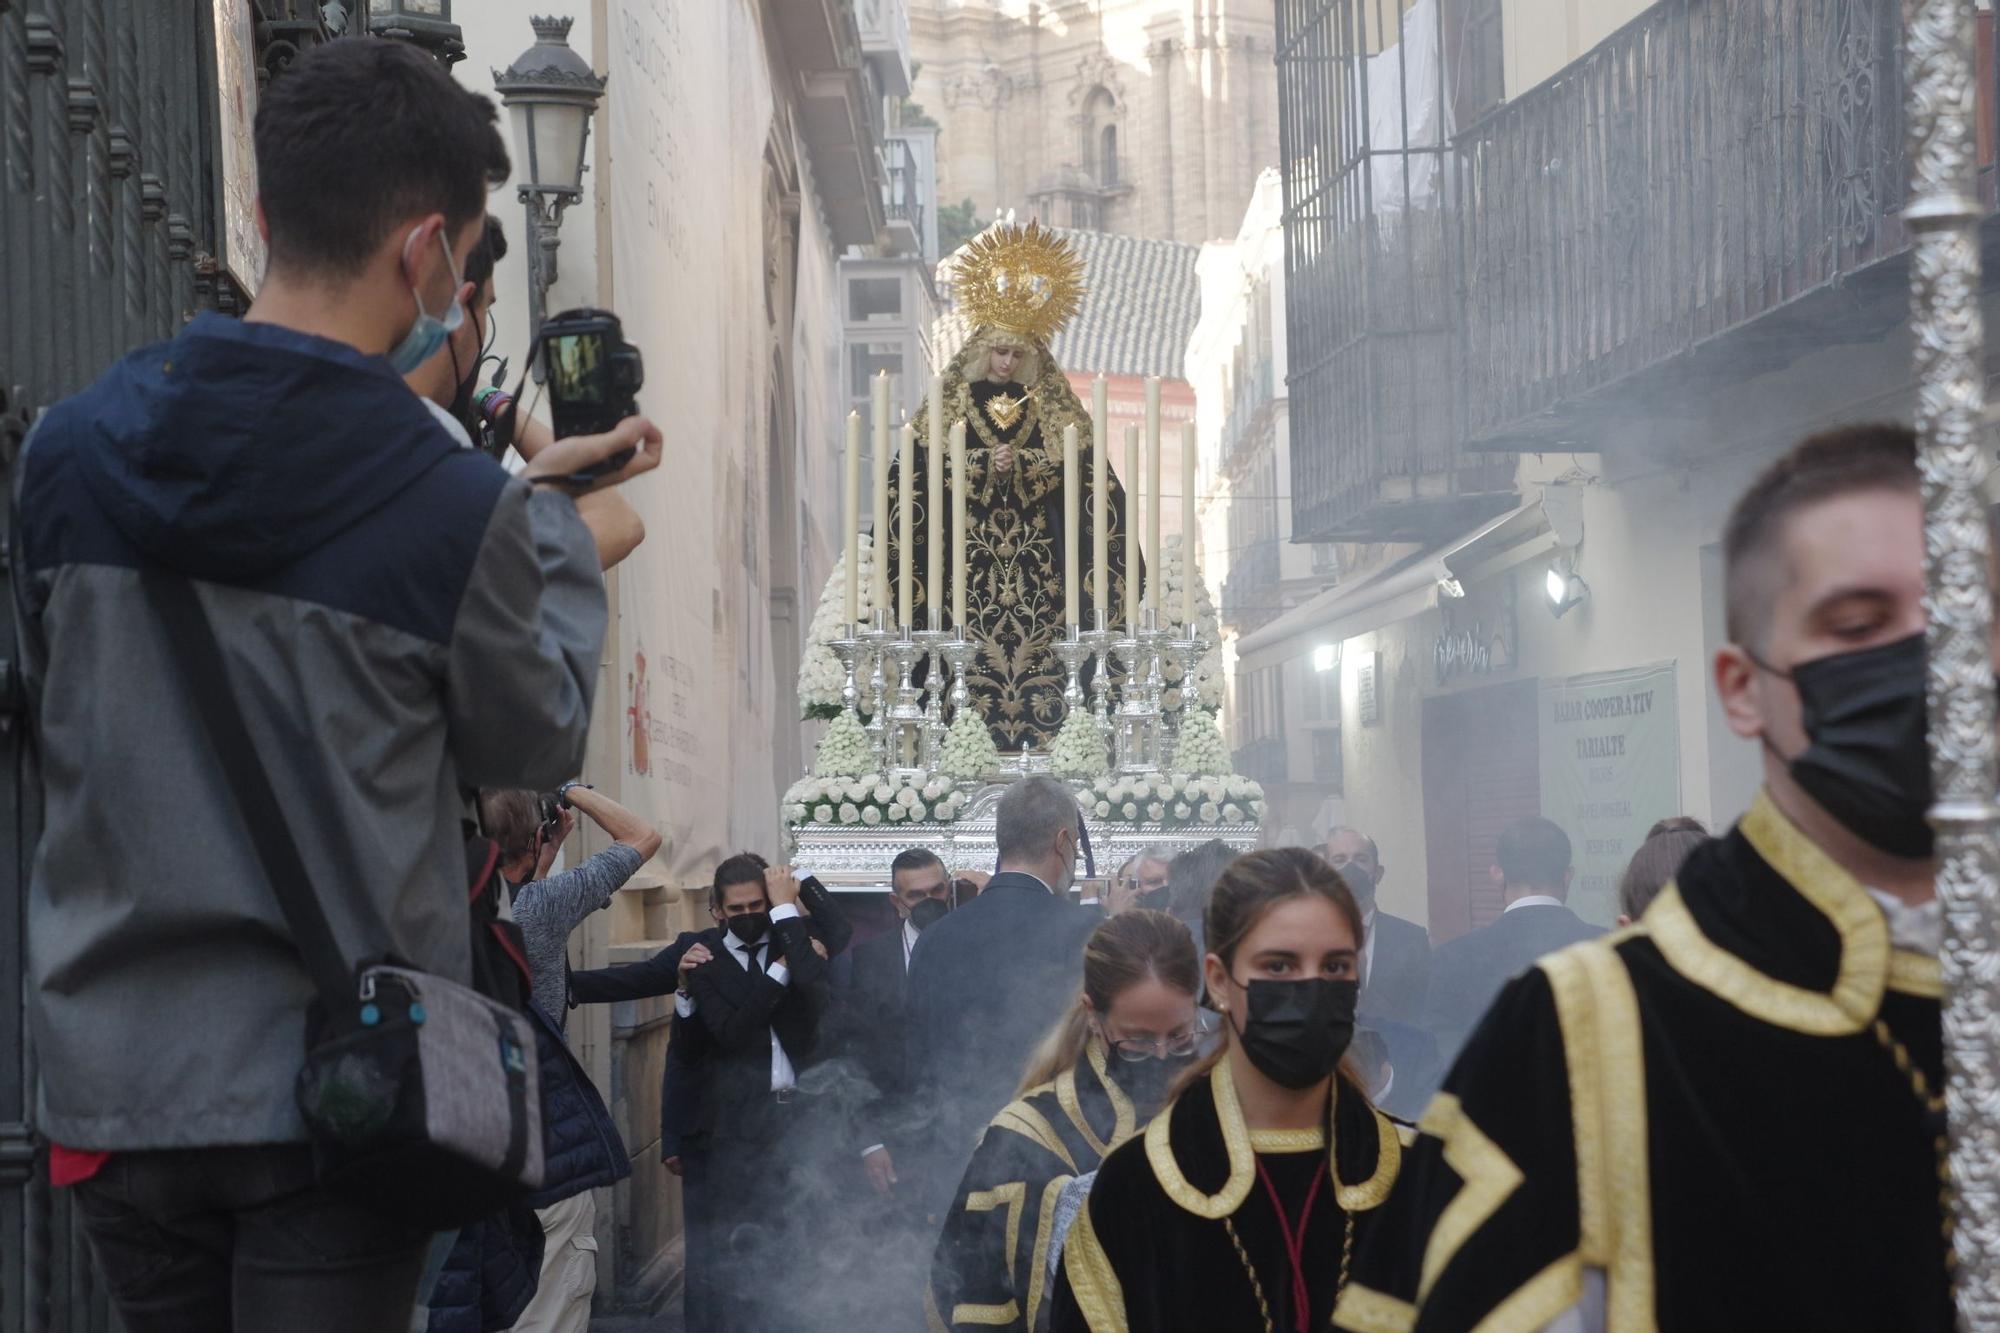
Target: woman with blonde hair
point(1095, 1082)
point(1240, 1206)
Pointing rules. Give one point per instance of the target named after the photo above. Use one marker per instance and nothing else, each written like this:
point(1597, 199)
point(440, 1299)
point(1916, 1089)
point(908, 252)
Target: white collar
point(1919, 929)
point(910, 934)
point(452, 425)
point(1533, 900)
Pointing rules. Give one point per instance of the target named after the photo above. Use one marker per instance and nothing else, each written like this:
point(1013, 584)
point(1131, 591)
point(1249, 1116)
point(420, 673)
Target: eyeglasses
point(1161, 1048)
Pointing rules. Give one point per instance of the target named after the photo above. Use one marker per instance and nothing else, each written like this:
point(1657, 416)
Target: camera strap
point(205, 675)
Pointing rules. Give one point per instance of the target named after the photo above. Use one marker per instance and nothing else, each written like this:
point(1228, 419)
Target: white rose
point(1182, 810)
point(1163, 789)
point(871, 816)
point(898, 813)
point(1215, 790)
point(1209, 813)
point(884, 793)
point(1238, 788)
point(1104, 809)
point(1232, 815)
point(823, 815)
point(1131, 810)
point(908, 798)
point(918, 814)
point(849, 813)
point(794, 813)
point(1156, 812)
point(1257, 808)
point(935, 788)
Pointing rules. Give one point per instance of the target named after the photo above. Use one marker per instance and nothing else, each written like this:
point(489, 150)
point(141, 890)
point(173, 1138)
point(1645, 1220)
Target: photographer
point(448, 383)
point(392, 616)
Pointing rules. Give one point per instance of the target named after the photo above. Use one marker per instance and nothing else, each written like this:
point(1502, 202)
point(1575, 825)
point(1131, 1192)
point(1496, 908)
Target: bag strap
point(198, 656)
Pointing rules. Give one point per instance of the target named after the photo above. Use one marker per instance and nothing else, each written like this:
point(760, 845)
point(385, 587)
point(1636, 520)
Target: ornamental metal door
point(106, 144)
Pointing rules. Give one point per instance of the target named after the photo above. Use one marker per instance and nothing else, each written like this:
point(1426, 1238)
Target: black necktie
point(750, 953)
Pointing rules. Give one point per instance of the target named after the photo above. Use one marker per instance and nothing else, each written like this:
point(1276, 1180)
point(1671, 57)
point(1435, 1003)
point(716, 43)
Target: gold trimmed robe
point(1152, 1251)
point(1701, 1108)
point(991, 1265)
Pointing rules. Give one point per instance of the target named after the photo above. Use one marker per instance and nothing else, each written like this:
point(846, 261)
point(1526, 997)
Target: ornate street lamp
point(424, 23)
point(551, 92)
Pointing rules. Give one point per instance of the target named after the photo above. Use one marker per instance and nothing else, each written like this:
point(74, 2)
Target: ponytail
point(1125, 950)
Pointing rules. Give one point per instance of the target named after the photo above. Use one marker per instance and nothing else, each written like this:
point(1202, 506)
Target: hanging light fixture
point(1565, 587)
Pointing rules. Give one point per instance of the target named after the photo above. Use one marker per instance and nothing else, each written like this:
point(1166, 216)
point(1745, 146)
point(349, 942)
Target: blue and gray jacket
point(399, 617)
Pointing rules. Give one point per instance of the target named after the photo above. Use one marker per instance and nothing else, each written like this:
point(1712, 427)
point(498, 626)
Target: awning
point(1397, 591)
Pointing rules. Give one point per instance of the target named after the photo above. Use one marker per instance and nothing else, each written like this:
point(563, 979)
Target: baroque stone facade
point(1146, 117)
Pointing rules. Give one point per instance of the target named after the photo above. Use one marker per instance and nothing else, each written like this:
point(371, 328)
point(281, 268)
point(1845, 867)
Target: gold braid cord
point(1014, 597)
point(1944, 219)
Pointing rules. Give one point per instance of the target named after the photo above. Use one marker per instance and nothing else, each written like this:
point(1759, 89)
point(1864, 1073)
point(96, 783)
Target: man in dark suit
point(747, 1020)
point(989, 980)
point(1533, 871)
point(1396, 955)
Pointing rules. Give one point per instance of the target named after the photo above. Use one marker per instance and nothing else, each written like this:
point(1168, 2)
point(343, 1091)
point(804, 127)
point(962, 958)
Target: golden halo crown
point(1023, 280)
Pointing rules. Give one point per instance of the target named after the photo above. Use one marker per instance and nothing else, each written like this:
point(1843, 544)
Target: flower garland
point(969, 751)
point(870, 801)
point(1198, 749)
point(1079, 750)
point(1176, 800)
point(1172, 568)
point(820, 675)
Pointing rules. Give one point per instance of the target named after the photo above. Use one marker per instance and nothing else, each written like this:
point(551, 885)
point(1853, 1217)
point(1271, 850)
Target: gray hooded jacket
point(398, 617)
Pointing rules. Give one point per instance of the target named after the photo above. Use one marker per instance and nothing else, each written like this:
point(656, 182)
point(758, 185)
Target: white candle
point(1100, 502)
point(1131, 529)
point(1153, 492)
point(1187, 528)
point(880, 408)
point(934, 509)
point(852, 512)
point(958, 490)
point(1071, 536)
point(905, 493)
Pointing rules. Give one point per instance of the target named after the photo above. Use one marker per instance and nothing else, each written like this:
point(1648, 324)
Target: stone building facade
point(1146, 117)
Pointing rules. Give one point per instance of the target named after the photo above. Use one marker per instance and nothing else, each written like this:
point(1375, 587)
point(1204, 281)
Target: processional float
point(908, 759)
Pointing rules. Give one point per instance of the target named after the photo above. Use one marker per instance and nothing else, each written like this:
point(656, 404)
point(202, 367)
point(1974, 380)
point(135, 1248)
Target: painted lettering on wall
point(1610, 767)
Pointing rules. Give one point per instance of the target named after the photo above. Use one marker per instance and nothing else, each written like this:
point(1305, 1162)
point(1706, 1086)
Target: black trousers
point(215, 1240)
point(748, 1201)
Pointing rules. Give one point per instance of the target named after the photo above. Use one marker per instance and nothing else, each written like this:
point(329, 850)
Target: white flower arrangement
point(1174, 801)
point(1199, 750)
point(969, 752)
point(820, 674)
point(845, 750)
point(1208, 672)
point(871, 800)
point(1079, 750)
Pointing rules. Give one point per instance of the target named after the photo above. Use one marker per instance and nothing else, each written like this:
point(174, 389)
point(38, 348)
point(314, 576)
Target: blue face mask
point(430, 331)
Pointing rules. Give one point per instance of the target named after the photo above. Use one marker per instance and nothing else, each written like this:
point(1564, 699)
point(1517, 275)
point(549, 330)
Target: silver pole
point(1944, 215)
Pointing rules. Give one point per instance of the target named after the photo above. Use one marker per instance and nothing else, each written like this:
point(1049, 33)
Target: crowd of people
point(1222, 1092)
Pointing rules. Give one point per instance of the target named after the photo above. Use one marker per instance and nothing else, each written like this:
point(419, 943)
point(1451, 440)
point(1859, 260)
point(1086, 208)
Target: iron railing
point(1704, 166)
point(1250, 592)
point(904, 192)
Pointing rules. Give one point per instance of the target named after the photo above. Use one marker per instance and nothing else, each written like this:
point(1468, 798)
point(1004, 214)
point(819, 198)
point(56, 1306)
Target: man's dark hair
point(1534, 853)
point(485, 254)
point(742, 868)
point(914, 858)
point(1676, 824)
point(1878, 457)
point(360, 134)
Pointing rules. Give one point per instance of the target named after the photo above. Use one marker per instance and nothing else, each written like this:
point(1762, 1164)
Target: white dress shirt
point(1368, 944)
point(1533, 900)
point(782, 1074)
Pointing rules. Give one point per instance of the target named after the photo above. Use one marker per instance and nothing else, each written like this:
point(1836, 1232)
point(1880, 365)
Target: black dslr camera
point(594, 377)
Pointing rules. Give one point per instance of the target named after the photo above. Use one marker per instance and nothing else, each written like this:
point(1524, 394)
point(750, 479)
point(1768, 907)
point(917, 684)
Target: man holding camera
point(395, 617)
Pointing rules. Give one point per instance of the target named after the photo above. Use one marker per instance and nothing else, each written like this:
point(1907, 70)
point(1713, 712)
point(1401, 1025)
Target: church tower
point(1148, 118)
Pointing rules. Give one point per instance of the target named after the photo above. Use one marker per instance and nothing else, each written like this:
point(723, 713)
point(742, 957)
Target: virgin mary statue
point(1017, 286)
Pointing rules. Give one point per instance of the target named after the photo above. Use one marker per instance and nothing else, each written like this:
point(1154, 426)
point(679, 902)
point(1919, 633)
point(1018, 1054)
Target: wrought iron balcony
point(1707, 194)
point(1250, 594)
point(906, 195)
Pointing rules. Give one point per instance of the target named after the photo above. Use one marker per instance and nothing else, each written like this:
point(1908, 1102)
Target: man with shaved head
point(1728, 1115)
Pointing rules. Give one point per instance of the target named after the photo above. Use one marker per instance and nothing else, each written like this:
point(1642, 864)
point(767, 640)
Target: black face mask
point(928, 913)
point(1297, 1031)
point(1146, 1081)
point(750, 926)
point(1867, 758)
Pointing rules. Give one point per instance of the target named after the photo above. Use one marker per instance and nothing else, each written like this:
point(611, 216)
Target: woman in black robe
point(1240, 1206)
point(1094, 1083)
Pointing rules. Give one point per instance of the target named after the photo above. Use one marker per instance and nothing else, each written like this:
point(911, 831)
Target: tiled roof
point(1137, 316)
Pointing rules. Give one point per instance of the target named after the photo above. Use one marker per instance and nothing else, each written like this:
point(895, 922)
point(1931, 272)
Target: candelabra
point(876, 641)
point(1100, 642)
point(849, 650)
point(904, 732)
point(930, 643)
point(958, 654)
point(1137, 721)
point(1072, 652)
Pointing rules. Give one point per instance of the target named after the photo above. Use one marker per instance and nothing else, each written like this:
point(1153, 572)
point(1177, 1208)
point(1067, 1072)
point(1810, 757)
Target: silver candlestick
point(930, 643)
point(850, 650)
point(1136, 724)
point(877, 638)
point(1185, 654)
point(958, 654)
point(903, 732)
point(1071, 652)
point(1100, 641)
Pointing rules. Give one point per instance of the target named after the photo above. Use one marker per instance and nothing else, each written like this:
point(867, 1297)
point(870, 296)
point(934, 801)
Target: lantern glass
point(552, 133)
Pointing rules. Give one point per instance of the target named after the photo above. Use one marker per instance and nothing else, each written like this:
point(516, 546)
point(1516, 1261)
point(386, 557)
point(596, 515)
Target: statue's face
point(1002, 359)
